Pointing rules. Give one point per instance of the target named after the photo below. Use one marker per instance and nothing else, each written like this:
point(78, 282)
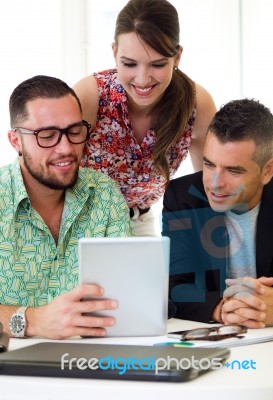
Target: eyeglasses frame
point(215, 337)
point(62, 132)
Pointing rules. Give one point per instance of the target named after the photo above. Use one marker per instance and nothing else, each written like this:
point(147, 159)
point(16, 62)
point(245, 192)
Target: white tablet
point(135, 272)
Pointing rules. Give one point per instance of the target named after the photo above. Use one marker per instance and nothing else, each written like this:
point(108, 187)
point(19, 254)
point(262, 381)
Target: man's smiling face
point(232, 178)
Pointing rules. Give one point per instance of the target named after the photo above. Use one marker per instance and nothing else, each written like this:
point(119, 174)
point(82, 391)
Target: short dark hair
point(245, 119)
point(40, 86)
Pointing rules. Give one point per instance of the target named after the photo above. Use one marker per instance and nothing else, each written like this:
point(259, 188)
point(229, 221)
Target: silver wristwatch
point(18, 323)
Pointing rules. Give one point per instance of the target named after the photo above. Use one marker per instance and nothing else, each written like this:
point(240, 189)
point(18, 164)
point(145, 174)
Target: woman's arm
point(206, 110)
point(87, 91)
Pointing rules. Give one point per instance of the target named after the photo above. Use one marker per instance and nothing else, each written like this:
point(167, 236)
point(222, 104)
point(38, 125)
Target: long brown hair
point(156, 22)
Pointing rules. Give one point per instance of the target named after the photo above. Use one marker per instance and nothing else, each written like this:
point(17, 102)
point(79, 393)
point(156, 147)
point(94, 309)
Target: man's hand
point(64, 317)
point(248, 302)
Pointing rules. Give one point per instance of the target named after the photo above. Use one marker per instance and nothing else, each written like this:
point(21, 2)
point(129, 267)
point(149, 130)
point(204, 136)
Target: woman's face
point(144, 73)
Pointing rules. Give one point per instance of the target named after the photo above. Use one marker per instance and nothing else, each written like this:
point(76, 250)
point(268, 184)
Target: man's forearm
point(32, 316)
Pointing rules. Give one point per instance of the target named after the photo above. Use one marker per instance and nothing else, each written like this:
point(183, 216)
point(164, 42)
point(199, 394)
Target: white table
point(222, 384)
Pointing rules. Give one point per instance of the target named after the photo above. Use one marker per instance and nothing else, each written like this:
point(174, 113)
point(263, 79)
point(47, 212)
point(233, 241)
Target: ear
point(267, 171)
point(177, 57)
point(114, 49)
point(15, 140)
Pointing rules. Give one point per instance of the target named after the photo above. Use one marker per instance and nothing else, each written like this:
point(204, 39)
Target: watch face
point(17, 324)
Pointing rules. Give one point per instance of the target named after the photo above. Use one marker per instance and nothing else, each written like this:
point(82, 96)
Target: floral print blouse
point(114, 150)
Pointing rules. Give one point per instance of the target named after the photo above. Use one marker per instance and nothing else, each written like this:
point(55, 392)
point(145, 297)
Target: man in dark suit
point(220, 222)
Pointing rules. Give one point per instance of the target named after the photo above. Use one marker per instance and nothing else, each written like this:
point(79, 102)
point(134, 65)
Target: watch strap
point(21, 311)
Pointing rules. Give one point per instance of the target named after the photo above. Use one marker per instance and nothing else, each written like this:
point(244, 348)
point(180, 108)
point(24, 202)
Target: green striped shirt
point(33, 268)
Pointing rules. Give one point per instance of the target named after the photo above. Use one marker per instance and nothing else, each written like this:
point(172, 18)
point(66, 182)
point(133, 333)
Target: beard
point(49, 180)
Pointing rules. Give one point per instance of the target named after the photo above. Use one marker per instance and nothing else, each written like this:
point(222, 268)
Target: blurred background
point(227, 47)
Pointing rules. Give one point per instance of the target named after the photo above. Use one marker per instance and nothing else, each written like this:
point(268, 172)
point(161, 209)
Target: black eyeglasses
point(51, 136)
point(215, 333)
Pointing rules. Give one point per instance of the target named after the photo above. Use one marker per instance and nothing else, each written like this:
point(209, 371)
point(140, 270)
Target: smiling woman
point(135, 139)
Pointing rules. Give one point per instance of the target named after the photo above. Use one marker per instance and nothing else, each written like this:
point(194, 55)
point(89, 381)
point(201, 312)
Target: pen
point(174, 344)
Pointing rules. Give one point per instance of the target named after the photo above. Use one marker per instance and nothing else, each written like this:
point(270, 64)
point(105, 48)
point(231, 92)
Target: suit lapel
point(264, 238)
point(215, 241)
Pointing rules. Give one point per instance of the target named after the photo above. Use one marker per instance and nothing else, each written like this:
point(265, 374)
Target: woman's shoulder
point(111, 92)
point(203, 97)
point(106, 74)
point(205, 107)
point(87, 92)
point(85, 84)
point(90, 84)
point(205, 111)
point(106, 79)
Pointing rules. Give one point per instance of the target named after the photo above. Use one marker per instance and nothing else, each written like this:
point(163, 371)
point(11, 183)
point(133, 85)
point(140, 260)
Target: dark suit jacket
point(199, 244)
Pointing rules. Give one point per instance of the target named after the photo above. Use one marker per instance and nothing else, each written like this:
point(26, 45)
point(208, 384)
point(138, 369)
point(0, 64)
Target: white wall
point(227, 46)
point(257, 35)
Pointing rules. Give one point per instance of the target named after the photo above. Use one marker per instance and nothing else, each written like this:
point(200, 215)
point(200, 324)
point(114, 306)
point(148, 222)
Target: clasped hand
point(248, 302)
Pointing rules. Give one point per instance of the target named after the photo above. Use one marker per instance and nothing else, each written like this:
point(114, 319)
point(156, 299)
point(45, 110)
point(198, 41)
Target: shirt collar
point(83, 185)
point(81, 190)
point(18, 186)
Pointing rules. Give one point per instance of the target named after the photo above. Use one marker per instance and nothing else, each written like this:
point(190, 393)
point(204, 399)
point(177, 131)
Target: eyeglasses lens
point(231, 330)
point(49, 137)
point(196, 334)
point(228, 330)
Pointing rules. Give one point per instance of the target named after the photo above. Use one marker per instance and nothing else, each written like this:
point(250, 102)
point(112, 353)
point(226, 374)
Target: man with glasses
point(220, 222)
point(46, 204)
